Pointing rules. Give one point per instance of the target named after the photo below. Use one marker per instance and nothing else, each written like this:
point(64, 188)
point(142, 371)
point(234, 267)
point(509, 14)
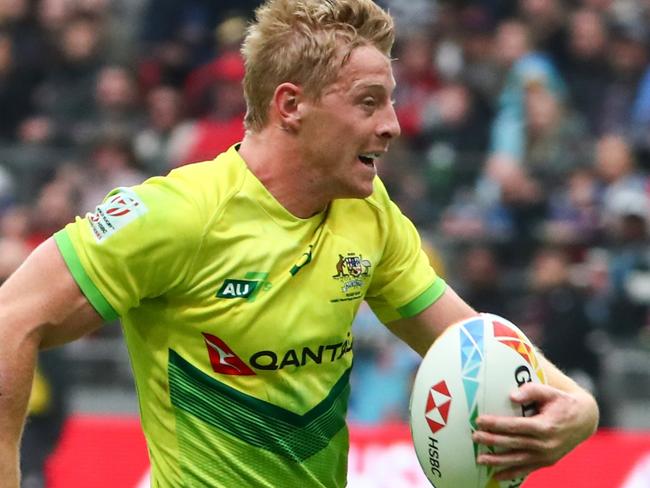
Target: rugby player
point(237, 280)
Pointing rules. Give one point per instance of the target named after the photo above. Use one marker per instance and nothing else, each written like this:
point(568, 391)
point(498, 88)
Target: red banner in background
point(110, 452)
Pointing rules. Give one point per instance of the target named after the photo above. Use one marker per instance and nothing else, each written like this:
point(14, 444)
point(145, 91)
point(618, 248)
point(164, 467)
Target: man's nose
point(389, 127)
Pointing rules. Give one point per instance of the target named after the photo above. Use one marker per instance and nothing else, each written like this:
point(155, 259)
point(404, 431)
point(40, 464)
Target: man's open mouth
point(368, 158)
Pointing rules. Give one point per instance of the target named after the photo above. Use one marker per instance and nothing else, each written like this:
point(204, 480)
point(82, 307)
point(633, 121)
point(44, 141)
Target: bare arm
point(40, 306)
point(420, 331)
point(568, 414)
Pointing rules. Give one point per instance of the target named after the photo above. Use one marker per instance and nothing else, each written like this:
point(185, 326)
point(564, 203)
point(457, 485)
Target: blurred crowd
point(524, 158)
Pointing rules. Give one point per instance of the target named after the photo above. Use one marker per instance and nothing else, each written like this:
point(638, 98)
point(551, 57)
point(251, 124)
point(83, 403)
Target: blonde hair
point(306, 42)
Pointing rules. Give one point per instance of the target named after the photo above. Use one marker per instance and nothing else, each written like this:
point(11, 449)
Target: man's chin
point(360, 191)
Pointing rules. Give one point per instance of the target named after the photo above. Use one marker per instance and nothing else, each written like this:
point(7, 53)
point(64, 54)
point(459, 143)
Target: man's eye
point(369, 102)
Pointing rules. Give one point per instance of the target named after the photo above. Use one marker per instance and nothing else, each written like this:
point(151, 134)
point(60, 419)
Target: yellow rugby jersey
point(237, 317)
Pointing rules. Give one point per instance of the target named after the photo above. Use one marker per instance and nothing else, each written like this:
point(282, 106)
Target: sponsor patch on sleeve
point(121, 207)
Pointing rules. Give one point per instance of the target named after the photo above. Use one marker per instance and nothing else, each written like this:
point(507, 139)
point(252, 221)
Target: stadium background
point(524, 161)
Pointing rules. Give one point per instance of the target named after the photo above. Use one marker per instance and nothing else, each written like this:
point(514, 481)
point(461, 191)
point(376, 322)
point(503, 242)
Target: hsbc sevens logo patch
point(223, 359)
point(121, 207)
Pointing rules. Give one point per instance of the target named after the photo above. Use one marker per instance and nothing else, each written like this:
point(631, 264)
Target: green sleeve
point(404, 283)
point(139, 243)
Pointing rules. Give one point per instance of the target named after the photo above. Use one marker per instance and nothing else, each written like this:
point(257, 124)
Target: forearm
point(420, 331)
point(588, 406)
point(17, 361)
point(40, 306)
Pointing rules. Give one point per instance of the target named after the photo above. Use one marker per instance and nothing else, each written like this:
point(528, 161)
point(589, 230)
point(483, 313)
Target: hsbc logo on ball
point(437, 407)
point(436, 412)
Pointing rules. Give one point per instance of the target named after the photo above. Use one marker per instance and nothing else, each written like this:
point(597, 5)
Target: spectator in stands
point(616, 166)
point(227, 61)
point(408, 180)
point(586, 70)
point(112, 164)
point(516, 213)
point(165, 139)
point(525, 66)
point(464, 219)
point(482, 280)
point(480, 69)
point(554, 317)
point(412, 14)
point(417, 81)
point(547, 20)
point(56, 203)
point(16, 86)
point(573, 217)
point(629, 264)
point(15, 224)
point(52, 15)
point(453, 139)
point(223, 124)
point(176, 37)
point(117, 103)
point(67, 92)
point(627, 57)
point(557, 140)
point(30, 49)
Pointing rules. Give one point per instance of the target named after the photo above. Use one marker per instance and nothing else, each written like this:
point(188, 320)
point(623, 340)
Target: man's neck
point(275, 159)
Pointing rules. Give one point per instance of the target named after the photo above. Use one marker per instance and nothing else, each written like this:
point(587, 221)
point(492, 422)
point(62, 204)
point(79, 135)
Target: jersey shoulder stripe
point(92, 293)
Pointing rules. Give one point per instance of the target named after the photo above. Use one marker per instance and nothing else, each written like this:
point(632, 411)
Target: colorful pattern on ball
point(471, 355)
point(514, 340)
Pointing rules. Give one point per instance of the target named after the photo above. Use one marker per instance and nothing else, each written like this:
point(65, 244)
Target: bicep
point(42, 302)
point(421, 330)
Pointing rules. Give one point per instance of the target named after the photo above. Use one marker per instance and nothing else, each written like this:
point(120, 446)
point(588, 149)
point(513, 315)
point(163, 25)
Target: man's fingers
point(507, 442)
point(511, 465)
point(506, 460)
point(522, 426)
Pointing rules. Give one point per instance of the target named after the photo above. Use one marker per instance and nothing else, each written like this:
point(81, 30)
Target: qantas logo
point(223, 360)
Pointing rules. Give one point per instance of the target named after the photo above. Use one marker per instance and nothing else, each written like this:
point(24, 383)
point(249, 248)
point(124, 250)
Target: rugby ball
point(470, 370)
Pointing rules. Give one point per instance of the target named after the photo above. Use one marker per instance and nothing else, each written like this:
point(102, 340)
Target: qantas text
point(272, 360)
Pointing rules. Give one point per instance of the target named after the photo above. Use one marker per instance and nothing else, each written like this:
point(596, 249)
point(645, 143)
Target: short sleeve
point(404, 283)
point(139, 243)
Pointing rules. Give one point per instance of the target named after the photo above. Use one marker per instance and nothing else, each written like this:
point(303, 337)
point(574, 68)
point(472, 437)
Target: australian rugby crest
point(352, 272)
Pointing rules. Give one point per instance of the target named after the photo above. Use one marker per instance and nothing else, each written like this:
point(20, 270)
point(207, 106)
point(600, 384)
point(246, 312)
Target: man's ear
point(286, 102)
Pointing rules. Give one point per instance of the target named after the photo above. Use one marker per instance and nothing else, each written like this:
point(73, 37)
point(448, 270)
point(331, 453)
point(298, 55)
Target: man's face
point(343, 133)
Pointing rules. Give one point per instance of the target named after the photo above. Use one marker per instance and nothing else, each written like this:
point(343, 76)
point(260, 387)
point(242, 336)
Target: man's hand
point(524, 444)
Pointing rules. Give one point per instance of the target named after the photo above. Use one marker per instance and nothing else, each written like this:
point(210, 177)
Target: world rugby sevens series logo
point(120, 205)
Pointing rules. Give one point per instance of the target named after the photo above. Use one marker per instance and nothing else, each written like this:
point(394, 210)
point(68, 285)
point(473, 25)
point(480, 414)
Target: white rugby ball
point(470, 370)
